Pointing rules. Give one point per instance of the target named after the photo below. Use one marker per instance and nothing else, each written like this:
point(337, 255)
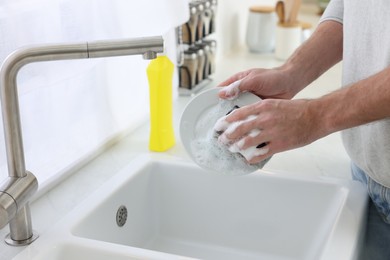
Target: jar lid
point(262, 9)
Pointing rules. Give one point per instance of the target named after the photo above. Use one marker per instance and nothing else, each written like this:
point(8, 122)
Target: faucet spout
point(14, 207)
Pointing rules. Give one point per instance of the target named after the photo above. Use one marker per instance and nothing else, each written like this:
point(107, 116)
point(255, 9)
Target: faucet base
point(9, 241)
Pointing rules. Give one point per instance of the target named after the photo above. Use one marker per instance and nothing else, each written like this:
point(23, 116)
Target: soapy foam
point(210, 153)
point(250, 152)
point(253, 151)
point(232, 126)
point(228, 128)
point(254, 132)
point(221, 124)
point(233, 89)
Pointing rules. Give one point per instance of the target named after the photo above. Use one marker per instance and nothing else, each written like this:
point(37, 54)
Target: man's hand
point(265, 83)
point(280, 124)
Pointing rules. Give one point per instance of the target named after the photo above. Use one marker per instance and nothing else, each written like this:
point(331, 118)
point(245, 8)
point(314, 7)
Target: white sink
point(177, 210)
point(74, 251)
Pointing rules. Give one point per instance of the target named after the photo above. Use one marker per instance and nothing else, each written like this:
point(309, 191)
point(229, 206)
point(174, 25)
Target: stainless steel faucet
point(18, 188)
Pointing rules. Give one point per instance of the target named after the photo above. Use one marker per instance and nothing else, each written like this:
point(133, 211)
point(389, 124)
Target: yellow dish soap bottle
point(160, 73)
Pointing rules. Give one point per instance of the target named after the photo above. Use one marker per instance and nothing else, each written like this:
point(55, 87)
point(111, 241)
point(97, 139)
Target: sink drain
point(121, 216)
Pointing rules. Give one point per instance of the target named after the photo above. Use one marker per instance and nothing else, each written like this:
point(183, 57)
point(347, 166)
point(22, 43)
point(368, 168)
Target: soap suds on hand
point(232, 91)
point(212, 154)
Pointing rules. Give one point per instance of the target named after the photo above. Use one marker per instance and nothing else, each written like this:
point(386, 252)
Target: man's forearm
point(315, 56)
point(363, 102)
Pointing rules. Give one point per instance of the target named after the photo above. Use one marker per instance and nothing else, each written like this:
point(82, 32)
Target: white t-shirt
point(366, 51)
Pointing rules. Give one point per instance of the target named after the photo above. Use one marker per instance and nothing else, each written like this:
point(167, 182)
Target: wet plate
point(199, 138)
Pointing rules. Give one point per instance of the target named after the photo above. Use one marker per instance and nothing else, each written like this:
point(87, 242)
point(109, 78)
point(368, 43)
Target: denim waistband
point(379, 194)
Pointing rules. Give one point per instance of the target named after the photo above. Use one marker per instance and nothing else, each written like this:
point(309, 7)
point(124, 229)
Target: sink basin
point(175, 210)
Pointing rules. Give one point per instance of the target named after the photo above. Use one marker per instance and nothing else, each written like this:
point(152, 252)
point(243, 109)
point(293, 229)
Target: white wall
point(70, 108)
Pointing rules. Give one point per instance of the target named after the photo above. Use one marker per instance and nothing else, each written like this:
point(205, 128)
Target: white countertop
point(325, 157)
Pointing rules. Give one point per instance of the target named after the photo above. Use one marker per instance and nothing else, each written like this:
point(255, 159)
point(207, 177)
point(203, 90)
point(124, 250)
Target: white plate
point(199, 108)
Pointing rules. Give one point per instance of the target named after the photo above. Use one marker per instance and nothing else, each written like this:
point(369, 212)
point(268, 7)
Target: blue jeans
point(377, 240)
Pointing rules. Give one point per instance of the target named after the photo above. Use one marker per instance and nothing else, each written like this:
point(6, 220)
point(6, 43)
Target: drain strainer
point(121, 216)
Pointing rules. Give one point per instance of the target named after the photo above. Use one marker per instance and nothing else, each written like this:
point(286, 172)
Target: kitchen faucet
point(18, 188)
